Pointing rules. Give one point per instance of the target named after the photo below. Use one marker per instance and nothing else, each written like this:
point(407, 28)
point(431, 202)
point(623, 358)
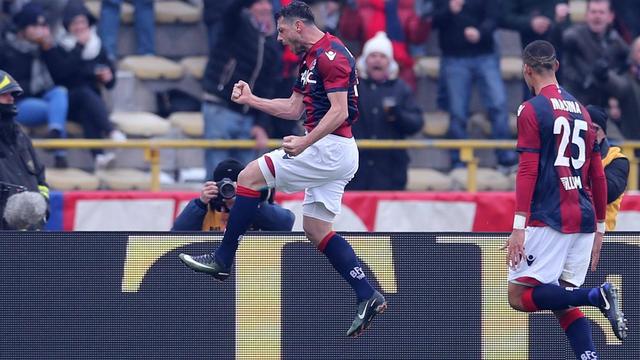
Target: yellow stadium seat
point(140, 124)
point(427, 179)
point(191, 123)
point(151, 67)
point(71, 179)
point(125, 179)
point(194, 65)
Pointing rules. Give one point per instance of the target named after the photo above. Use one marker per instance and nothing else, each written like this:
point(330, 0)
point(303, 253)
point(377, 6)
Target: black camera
point(226, 188)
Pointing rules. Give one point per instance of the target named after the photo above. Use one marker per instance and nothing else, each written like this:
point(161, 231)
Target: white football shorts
point(322, 171)
point(551, 255)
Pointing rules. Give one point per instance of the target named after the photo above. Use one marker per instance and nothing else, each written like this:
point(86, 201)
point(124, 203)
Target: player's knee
point(515, 298)
point(251, 176)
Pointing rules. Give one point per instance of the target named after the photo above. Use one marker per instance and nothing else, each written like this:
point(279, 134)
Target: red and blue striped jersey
point(328, 67)
point(555, 125)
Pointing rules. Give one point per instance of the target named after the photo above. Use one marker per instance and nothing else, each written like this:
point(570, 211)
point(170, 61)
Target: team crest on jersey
point(330, 54)
point(313, 64)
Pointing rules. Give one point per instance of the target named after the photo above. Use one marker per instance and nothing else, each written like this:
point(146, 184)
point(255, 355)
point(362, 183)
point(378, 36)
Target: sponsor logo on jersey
point(330, 54)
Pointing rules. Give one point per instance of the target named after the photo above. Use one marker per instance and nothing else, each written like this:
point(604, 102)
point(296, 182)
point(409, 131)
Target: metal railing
point(467, 149)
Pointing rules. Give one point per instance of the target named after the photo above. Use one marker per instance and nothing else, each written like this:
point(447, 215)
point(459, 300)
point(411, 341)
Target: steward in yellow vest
point(615, 163)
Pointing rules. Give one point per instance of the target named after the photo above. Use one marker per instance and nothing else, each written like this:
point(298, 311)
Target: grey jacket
point(584, 52)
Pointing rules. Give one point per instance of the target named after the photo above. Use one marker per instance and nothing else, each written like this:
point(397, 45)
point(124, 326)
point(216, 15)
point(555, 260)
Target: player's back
point(560, 128)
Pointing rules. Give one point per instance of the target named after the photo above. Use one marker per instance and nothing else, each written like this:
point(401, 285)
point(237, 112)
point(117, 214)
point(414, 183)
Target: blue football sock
point(554, 297)
point(240, 218)
point(578, 331)
point(345, 261)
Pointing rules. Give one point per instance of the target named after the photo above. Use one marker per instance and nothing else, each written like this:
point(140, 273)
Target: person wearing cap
point(20, 168)
point(210, 211)
point(93, 70)
point(615, 163)
point(31, 57)
point(387, 111)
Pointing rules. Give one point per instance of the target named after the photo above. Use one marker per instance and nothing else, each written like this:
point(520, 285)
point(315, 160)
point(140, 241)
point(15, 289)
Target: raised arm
point(289, 109)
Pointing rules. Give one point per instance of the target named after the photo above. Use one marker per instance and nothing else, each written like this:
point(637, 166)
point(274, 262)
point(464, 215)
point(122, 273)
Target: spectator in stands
point(537, 20)
point(466, 33)
point(144, 22)
point(387, 111)
point(591, 51)
point(210, 211)
point(246, 49)
point(615, 163)
point(212, 17)
point(89, 70)
point(626, 88)
point(326, 13)
point(30, 55)
point(626, 21)
point(362, 19)
point(23, 190)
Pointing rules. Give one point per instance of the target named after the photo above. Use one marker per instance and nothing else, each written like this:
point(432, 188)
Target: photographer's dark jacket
point(242, 52)
point(584, 53)
point(19, 165)
point(196, 216)
point(387, 169)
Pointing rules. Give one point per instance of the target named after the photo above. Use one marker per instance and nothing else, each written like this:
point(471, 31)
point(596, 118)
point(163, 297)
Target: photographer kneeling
point(210, 211)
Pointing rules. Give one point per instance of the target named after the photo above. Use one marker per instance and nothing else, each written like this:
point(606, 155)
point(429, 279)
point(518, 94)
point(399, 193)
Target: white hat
point(380, 43)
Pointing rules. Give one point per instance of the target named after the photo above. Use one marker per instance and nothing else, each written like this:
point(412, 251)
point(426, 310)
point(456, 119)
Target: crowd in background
point(64, 58)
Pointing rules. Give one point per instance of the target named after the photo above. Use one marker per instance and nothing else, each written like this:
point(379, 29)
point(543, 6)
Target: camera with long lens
point(226, 191)
point(226, 188)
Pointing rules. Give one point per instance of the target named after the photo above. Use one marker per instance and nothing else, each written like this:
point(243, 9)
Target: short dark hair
point(297, 10)
point(599, 1)
point(540, 56)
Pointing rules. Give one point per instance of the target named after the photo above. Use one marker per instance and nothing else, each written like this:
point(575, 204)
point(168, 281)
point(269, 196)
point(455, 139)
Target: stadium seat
point(578, 10)
point(169, 12)
point(194, 65)
point(126, 11)
point(487, 179)
point(73, 130)
point(140, 124)
point(191, 123)
point(71, 179)
point(150, 67)
point(428, 66)
point(125, 179)
point(427, 179)
point(436, 124)
point(511, 68)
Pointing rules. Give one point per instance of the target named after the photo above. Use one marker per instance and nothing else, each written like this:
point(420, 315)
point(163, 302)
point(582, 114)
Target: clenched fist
point(241, 93)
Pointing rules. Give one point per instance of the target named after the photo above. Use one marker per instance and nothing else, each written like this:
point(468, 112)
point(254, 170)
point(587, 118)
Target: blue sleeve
point(191, 218)
point(272, 217)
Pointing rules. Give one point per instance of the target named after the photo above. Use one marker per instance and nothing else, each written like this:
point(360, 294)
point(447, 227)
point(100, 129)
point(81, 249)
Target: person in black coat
point(89, 69)
point(246, 49)
point(387, 111)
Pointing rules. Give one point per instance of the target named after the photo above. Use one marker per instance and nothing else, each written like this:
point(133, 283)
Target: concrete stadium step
point(71, 179)
point(428, 179)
